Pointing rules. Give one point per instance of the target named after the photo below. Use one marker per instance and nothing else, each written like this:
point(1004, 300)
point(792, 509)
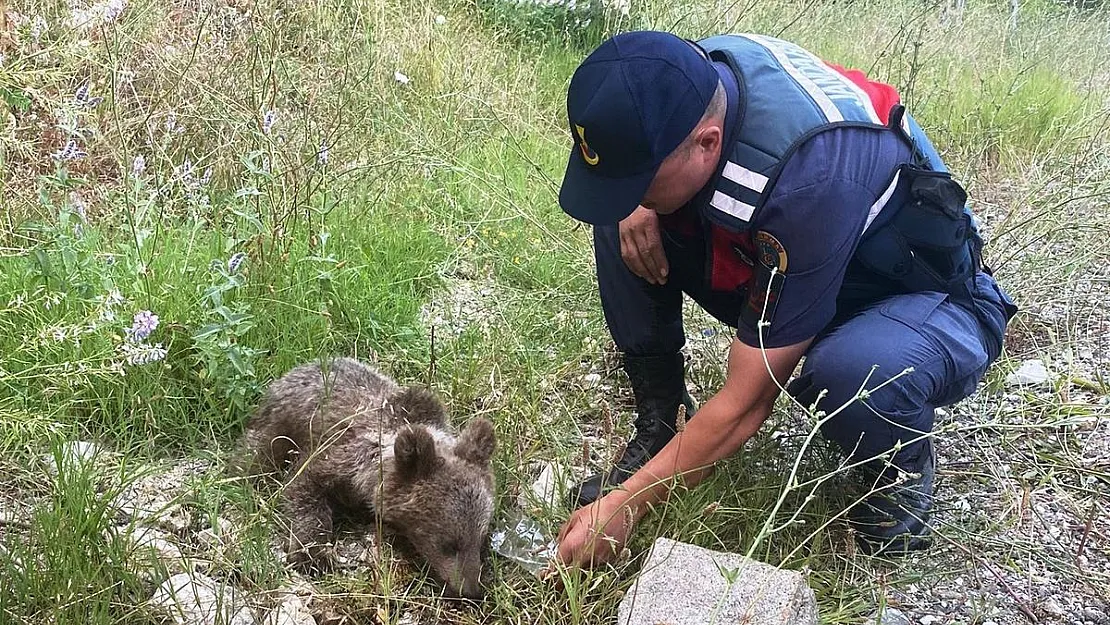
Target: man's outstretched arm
point(596, 533)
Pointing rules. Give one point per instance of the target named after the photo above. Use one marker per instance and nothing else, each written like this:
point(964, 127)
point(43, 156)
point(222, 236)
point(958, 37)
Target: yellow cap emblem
point(588, 154)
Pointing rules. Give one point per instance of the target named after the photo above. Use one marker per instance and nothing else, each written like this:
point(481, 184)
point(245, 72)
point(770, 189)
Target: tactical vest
point(919, 235)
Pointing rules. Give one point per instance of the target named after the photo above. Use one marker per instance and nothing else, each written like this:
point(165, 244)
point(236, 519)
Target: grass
point(372, 210)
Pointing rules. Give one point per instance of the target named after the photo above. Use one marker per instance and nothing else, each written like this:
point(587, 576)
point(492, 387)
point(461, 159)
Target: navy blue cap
point(630, 104)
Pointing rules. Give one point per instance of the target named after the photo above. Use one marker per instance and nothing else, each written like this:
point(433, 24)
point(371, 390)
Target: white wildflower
point(172, 125)
point(114, 8)
point(143, 353)
point(38, 28)
point(79, 206)
point(99, 14)
point(401, 78)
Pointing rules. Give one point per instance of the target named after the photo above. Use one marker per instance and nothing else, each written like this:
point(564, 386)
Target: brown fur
point(345, 435)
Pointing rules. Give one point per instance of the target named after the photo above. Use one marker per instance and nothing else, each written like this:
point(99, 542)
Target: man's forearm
point(716, 432)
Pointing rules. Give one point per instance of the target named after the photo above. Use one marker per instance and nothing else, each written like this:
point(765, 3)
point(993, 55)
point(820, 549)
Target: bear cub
point(344, 436)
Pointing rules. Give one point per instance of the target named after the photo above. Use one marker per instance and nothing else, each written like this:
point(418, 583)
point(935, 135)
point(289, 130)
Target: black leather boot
point(659, 386)
point(894, 521)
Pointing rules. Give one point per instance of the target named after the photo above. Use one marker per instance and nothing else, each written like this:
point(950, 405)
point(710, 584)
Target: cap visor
point(600, 200)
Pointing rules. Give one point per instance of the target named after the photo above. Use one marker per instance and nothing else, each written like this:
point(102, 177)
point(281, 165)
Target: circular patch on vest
point(771, 252)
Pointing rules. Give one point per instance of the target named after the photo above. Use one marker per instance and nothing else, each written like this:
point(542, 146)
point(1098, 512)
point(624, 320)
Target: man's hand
point(642, 247)
point(596, 533)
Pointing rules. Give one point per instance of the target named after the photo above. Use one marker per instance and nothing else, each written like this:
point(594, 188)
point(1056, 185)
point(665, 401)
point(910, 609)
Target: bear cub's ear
point(419, 405)
point(414, 451)
point(477, 442)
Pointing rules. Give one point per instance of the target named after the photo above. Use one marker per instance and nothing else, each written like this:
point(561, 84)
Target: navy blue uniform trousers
point(949, 346)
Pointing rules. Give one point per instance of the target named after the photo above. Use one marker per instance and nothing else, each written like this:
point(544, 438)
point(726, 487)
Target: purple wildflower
point(184, 171)
point(81, 98)
point(322, 154)
point(138, 166)
point(70, 152)
point(142, 326)
point(235, 262)
point(268, 121)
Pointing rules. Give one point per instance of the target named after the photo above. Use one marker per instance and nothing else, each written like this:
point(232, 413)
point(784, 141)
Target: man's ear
point(710, 137)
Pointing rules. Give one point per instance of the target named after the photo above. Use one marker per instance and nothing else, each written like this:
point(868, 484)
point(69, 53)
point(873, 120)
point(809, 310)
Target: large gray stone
point(683, 584)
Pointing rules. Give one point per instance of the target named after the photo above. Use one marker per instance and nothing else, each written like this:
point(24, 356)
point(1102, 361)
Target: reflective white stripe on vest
point(861, 98)
point(877, 207)
point(732, 206)
point(832, 113)
point(823, 83)
point(745, 177)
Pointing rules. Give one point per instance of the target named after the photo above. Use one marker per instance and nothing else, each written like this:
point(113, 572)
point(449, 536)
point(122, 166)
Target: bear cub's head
point(439, 496)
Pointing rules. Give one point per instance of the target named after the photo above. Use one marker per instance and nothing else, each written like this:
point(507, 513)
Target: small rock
point(928, 619)
point(220, 534)
point(1092, 614)
point(591, 380)
point(209, 539)
point(152, 549)
point(200, 600)
point(291, 611)
point(13, 517)
point(153, 497)
point(330, 617)
point(1030, 372)
point(73, 455)
point(890, 616)
point(687, 585)
point(1052, 607)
